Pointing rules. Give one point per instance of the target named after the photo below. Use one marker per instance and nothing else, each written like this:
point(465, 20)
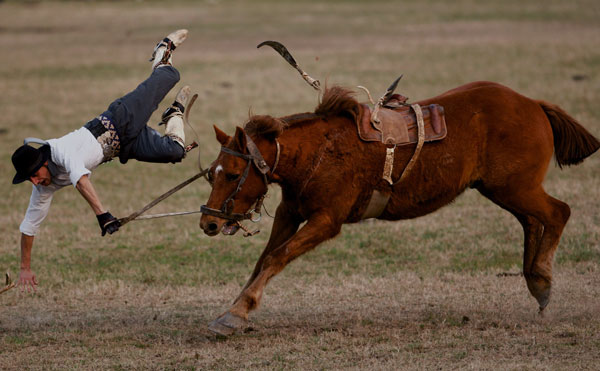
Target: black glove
point(108, 223)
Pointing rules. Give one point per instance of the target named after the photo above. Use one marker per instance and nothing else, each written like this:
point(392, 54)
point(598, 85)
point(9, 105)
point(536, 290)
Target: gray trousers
point(130, 115)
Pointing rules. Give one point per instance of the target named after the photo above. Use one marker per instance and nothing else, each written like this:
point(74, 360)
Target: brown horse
point(498, 142)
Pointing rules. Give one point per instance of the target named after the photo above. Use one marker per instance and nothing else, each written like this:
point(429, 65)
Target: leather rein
point(256, 158)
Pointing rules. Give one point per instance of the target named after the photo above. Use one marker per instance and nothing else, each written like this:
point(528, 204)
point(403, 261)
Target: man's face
point(42, 176)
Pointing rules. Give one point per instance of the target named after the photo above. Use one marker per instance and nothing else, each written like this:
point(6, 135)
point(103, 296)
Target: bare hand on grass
point(27, 280)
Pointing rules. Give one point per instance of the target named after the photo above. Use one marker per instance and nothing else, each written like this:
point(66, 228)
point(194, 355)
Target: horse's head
point(239, 175)
point(248, 160)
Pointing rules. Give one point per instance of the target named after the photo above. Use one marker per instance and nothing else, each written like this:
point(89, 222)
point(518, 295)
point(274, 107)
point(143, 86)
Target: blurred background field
point(422, 293)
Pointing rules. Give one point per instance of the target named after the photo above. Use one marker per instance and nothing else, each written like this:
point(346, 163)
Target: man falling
point(120, 131)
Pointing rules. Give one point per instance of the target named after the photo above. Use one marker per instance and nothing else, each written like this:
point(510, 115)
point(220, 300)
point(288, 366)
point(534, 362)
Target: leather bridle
point(256, 158)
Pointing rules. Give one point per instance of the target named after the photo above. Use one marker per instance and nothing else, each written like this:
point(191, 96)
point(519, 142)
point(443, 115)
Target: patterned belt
point(103, 129)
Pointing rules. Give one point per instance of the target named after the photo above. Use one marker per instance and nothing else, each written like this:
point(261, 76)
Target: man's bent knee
point(177, 153)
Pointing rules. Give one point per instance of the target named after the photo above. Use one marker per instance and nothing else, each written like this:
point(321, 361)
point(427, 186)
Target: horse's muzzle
point(212, 225)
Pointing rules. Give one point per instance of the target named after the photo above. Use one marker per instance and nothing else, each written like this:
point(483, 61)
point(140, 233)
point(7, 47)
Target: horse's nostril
point(212, 227)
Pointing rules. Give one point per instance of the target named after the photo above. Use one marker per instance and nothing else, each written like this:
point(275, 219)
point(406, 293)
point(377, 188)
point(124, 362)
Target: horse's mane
point(264, 126)
point(336, 101)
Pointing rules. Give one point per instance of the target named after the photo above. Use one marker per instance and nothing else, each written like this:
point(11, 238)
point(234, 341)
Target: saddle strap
point(379, 200)
point(388, 167)
point(377, 205)
point(421, 140)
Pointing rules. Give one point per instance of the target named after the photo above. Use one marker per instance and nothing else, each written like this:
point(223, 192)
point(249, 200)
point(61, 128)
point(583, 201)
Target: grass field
point(428, 293)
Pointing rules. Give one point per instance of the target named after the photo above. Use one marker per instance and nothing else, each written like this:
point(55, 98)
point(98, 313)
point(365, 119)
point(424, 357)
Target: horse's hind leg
point(539, 273)
point(533, 230)
point(543, 219)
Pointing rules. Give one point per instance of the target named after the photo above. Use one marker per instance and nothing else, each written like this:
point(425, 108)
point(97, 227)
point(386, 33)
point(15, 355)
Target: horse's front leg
point(320, 227)
point(286, 223)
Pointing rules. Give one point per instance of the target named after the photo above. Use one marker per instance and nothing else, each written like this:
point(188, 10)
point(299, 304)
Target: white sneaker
point(178, 106)
point(162, 55)
point(174, 130)
point(182, 97)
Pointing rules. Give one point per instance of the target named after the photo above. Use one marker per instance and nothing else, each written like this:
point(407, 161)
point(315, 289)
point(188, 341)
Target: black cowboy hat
point(27, 160)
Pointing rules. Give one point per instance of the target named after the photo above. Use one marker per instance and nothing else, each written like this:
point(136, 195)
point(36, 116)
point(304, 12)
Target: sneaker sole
point(183, 95)
point(178, 37)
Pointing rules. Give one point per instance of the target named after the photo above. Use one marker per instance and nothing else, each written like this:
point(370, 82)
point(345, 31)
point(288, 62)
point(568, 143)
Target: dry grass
point(399, 321)
point(418, 294)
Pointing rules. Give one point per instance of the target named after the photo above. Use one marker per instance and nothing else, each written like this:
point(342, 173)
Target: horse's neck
point(287, 155)
point(299, 159)
point(290, 162)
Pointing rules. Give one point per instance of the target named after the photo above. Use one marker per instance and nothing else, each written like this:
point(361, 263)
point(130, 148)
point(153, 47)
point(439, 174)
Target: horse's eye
point(211, 177)
point(232, 177)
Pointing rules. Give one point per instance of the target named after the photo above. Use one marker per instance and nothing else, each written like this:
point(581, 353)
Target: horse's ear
point(221, 136)
point(240, 138)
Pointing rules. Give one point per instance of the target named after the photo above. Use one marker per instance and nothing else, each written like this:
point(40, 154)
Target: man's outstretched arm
point(27, 280)
point(108, 223)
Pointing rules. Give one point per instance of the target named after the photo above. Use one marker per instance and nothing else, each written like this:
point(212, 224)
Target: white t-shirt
point(72, 156)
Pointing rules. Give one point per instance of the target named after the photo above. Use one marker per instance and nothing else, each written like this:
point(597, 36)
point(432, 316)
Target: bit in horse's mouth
point(230, 228)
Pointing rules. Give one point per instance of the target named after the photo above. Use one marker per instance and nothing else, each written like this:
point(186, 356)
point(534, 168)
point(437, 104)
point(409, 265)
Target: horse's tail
point(572, 142)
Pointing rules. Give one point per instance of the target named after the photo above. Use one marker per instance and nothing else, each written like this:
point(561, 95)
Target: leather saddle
point(398, 123)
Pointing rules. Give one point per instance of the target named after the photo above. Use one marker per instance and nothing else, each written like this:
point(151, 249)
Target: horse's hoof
point(227, 324)
point(543, 299)
point(540, 288)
